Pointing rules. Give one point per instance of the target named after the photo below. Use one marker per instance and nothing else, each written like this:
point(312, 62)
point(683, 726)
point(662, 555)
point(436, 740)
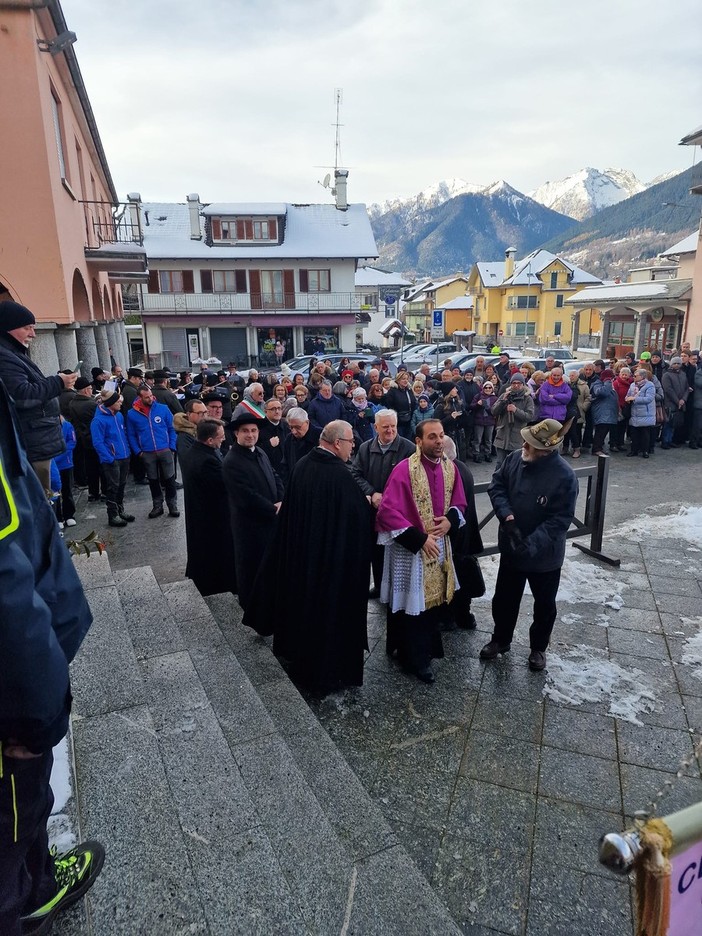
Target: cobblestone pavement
point(497, 783)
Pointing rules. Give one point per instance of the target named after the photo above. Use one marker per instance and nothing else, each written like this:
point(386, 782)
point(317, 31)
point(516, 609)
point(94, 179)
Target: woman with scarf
point(554, 396)
point(621, 383)
point(361, 416)
point(579, 405)
point(513, 410)
point(449, 411)
point(484, 424)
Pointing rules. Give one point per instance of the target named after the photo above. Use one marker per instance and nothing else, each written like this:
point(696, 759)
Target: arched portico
point(79, 297)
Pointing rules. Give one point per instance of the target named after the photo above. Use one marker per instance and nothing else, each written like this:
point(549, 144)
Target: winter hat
point(346, 373)
point(544, 435)
point(488, 384)
point(423, 396)
point(607, 374)
point(676, 360)
point(81, 383)
point(654, 354)
point(517, 378)
point(646, 356)
point(13, 315)
point(97, 372)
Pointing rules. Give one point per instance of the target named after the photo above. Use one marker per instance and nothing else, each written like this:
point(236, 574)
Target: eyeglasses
point(348, 440)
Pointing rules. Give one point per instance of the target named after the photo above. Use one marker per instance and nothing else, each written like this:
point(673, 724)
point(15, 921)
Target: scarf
point(253, 408)
point(439, 579)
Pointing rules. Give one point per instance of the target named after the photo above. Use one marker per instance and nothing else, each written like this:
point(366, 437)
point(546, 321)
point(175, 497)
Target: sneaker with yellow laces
point(75, 871)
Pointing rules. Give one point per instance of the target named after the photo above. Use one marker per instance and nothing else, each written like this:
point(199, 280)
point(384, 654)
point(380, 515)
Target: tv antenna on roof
point(338, 98)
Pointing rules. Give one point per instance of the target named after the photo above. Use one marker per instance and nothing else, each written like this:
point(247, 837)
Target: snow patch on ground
point(61, 832)
point(584, 674)
point(692, 653)
point(677, 521)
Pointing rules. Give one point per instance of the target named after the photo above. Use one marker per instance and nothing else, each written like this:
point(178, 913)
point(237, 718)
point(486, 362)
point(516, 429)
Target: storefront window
point(320, 341)
point(275, 345)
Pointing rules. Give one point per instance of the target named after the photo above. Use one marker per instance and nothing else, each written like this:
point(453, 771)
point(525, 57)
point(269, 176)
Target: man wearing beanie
point(36, 397)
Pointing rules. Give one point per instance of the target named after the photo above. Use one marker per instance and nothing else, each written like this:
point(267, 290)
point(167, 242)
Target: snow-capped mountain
point(430, 197)
point(588, 191)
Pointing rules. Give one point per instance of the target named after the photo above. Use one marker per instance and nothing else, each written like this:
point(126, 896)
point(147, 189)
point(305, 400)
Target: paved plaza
point(474, 805)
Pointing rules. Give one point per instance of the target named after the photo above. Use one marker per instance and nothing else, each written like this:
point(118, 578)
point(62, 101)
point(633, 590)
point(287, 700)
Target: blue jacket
point(323, 411)
point(69, 434)
point(152, 431)
point(604, 404)
point(109, 436)
point(43, 610)
point(643, 406)
point(541, 496)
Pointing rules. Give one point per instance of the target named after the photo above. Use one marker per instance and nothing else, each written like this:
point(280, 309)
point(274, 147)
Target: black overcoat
point(253, 489)
point(208, 531)
point(319, 564)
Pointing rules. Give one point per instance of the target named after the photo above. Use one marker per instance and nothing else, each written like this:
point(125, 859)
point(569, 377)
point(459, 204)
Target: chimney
point(194, 211)
point(509, 261)
point(340, 177)
point(134, 201)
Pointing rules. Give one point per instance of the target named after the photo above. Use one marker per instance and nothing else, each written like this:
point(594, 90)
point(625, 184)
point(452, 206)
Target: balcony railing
point(512, 305)
point(107, 224)
point(268, 303)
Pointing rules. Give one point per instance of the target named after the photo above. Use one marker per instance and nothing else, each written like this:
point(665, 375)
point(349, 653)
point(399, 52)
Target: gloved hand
point(513, 533)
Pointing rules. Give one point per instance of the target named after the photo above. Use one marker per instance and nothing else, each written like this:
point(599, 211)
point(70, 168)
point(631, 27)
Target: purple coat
point(553, 400)
point(483, 414)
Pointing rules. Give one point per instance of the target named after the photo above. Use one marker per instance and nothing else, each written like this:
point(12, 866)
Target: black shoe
point(664, 446)
point(130, 518)
point(173, 512)
point(468, 622)
point(93, 498)
point(631, 454)
point(645, 454)
point(156, 511)
point(693, 446)
point(425, 675)
point(493, 649)
point(537, 660)
point(76, 871)
point(117, 521)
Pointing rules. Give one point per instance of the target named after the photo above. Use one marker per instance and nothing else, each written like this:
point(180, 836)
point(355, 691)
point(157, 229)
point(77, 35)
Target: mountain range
point(452, 224)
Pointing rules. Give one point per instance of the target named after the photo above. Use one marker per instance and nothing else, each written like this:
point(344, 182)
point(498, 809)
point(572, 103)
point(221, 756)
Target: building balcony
point(258, 304)
point(114, 241)
point(513, 305)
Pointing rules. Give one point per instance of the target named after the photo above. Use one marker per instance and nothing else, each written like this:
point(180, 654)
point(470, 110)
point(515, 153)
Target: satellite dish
point(327, 180)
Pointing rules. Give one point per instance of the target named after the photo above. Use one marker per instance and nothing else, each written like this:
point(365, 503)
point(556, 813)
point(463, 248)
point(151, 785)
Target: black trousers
point(600, 434)
point(26, 869)
point(640, 439)
point(159, 467)
point(415, 637)
point(509, 589)
point(66, 505)
point(377, 560)
point(114, 480)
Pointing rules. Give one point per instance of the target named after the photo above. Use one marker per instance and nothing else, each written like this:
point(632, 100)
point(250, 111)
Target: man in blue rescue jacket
point(152, 436)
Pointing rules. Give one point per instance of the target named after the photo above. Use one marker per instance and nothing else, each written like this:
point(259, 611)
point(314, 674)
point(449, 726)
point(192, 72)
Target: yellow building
point(523, 303)
point(420, 301)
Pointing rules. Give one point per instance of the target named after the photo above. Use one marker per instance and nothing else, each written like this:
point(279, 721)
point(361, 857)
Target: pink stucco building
point(66, 242)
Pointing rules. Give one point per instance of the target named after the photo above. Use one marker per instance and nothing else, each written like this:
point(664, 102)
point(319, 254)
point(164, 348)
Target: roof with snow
point(460, 302)
point(369, 276)
point(491, 274)
point(658, 290)
point(692, 139)
point(311, 231)
point(686, 245)
point(526, 271)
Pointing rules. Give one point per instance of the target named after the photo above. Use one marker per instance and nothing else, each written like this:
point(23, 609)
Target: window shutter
point(273, 229)
point(289, 288)
point(240, 280)
point(304, 281)
point(240, 230)
point(255, 285)
point(216, 230)
point(188, 282)
point(154, 286)
point(206, 281)
point(249, 230)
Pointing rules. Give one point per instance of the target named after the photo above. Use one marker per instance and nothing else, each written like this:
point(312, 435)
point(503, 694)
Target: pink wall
point(42, 226)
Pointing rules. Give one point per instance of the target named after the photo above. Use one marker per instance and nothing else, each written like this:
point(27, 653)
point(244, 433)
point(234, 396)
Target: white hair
point(297, 413)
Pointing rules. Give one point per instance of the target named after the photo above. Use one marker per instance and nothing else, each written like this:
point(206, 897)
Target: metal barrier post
point(595, 513)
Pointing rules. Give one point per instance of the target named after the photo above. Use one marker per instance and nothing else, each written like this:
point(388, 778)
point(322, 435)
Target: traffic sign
point(437, 323)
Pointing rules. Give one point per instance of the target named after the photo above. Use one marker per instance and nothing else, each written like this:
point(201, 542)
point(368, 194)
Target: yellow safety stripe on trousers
point(9, 516)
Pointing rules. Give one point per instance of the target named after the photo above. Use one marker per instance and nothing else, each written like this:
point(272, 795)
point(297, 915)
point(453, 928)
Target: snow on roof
point(491, 274)
point(686, 245)
point(460, 302)
point(525, 272)
point(692, 139)
point(368, 276)
point(310, 231)
point(630, 292)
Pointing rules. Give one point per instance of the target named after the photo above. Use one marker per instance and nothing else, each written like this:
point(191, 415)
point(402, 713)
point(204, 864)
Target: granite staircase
point(224, 806)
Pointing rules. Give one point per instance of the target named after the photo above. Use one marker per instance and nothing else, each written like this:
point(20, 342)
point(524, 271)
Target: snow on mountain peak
point(430, 197)
point(587, 191)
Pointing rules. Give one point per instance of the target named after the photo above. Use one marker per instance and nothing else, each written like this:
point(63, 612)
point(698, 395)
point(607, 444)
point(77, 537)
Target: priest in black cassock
point(255, 492)
point(208, 532)
point(312, 592)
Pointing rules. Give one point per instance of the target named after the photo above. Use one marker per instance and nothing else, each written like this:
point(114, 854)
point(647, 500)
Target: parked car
point(560, 354)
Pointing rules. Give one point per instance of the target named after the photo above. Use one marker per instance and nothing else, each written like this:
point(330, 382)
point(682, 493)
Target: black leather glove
point(513, 533)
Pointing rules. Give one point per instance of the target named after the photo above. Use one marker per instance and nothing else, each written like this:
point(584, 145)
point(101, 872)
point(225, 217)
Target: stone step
point(224, 806)
point(383, 869)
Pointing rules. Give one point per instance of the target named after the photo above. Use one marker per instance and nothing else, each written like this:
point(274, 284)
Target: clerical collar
point(432, 461)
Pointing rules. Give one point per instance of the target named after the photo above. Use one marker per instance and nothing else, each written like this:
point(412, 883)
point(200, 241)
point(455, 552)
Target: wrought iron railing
point(106, 223)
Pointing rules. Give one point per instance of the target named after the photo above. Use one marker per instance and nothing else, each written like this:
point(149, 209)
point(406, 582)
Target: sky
point(235, 99)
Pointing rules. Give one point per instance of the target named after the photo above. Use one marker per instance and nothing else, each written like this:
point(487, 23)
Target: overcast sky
point(234, 99)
